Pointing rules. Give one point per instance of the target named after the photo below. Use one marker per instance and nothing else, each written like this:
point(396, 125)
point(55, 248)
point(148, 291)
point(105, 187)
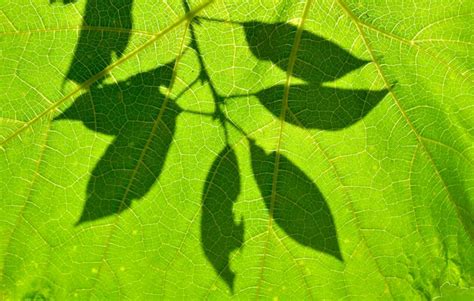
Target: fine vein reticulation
point(247, 150)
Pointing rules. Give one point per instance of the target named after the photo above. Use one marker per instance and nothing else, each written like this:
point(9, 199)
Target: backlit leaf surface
point(236, 149)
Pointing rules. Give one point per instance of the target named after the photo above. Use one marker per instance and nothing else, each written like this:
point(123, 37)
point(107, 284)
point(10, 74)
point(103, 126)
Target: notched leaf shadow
point(318, 61)
point(295, 203)
point(106, 30)
point(220, 235)
point(138, 114)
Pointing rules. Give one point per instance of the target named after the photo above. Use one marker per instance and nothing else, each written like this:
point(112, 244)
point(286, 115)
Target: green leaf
point(224, 149)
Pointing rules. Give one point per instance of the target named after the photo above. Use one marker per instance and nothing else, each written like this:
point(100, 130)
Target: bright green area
point(267, 149)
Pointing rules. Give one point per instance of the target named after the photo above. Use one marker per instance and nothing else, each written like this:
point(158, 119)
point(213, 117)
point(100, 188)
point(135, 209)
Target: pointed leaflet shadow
point(105, 31)
point(136, 112)
point(219, 234)
point(318, 61)
point(296, 204)
point(320, 107)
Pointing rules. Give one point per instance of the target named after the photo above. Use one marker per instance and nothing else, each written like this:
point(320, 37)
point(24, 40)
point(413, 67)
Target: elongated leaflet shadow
point(318, 60)
point(313, 106)
point(105, 32)
point(295, 202)
point(136, 112)
point(219, 233)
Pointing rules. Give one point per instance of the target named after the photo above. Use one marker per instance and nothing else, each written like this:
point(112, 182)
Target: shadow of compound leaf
point(137, 113)
point(143, 122)
point(294, 201)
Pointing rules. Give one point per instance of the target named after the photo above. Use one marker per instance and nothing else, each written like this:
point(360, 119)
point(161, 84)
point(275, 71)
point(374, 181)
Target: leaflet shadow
point(105, 32)
point(294, 202)
point(143, 123)
point(220, 235)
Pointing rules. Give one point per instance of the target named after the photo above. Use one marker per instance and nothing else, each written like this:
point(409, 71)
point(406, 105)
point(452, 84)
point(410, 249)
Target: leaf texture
point(236, 150)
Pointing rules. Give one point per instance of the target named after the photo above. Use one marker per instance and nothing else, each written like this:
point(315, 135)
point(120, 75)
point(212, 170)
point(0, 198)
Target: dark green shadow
point(135, 112)
point(220, 235)
point(295, 202)
point(106, 30)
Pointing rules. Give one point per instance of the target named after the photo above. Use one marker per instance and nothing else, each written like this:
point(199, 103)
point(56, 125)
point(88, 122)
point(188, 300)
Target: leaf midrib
point(78, 28)
point(289, 74)
point(418, 136)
